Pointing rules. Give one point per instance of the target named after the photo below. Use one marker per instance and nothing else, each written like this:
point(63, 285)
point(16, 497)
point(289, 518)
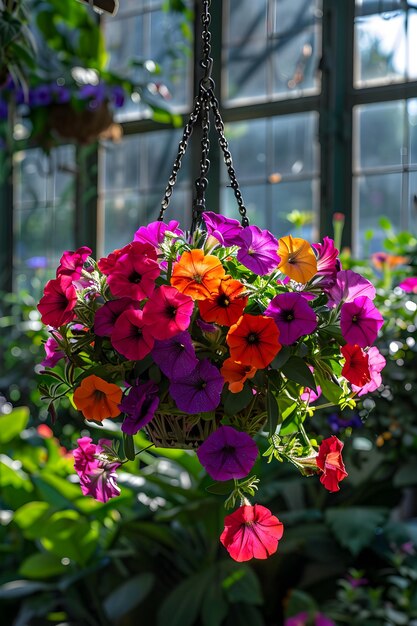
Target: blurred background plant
point(153, 553)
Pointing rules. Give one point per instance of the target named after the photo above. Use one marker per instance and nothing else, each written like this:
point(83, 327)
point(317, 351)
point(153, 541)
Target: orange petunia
point(197, 275)
point(227, 305)
point(235, 374)
point(298, 260)
point(97, 399)
point(382, 260)
point(253, 340)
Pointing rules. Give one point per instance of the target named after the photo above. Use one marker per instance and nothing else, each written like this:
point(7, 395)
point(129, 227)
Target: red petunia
point(134, 272)
point(356, 367)
point(57, 304)
point(225, 306)
point(251, 532)
point(330, 462)
point(253, 340)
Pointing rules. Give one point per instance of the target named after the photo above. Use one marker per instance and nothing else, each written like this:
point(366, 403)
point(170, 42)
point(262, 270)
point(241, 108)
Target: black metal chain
point(205, 102)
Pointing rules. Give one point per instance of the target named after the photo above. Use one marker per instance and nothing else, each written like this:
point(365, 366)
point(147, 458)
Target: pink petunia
point(376, 363)
point(134, 273)
point(167, 312)
point(97, 476)
point(360, 321)
point(131, 337)
point(53, 353)
point(58, 302)
point(71, 263)
point(348, 286)
point(409, 284)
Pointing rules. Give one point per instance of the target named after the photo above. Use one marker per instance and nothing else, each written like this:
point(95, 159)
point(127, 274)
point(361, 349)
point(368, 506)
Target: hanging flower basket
point(83, 126)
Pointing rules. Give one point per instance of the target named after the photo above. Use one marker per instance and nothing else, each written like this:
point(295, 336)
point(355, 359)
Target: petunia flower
point(200, 390)
point(134, 272)
point(298, 260)
point(360, 321)
point(328, 263)
point(71, 263)
point(356, 367)
point(226, 305)
point(97, 475)
point(139, 406)
point(197, 275)
point(235, 374)
point(293, 316)
point(376, 363)
point(107, 315)
point(154, 232)
point(338, 423)
point(329, 461)
point(253, 340)
point(176, 356)
point(107, 264)
point(58, 302)
point(97, 399)
point(381, 260)
point(309, 395)
point(251, 532)
point(167, 312)
point(224, 229)
point(300, 619)
point(409, 284)
point(53, 353)
point(258, 250)
point(227, 454)
point(131, 337)
point(348, 286)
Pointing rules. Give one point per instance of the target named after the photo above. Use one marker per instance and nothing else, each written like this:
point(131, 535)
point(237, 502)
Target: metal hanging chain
point(205, 102)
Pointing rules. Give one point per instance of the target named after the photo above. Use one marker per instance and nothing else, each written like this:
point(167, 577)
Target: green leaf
point(281, 358)
point(182, 606)
point(355, 527)
point(43, 565)
point(291, 424)
point(242, 584)
point(384, 223)
point(9, 29)
point(330, 390)
point(67, 534)
point(31, 518)
point(12, 424)
point(56, 490)
point(21, 588)
point(296, 369)
point(129, 447)
point(235, 402)
point(222, 488)
point(272, 410)
point(128, 595)
point(214, 608)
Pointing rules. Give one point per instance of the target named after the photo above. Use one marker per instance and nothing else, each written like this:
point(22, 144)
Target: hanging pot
point(82, 126)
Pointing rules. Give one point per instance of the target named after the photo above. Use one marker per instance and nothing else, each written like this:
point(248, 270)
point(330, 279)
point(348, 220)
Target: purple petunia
point(154, 232)
point(222, 228)
point(348, 286)
point(258, 250)
point(227, 454)
point(200, 390)
point(360, 322)
point(176, 356)
point(293, 316)
point(139, 406)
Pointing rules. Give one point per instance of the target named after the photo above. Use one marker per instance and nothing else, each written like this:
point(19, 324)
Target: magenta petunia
point(200, 390)
point(139, 406)
point(84, 459)
point(224, 229)
point(101, 482)
point(360, 321)
point(348, 286)
point(131, 337)
point(227, 454)
point(293, 316)
point(176, 356)
point(58, 302)
point(258, 250)
point(376, 363)
point(134, 272)
point(167, 312)
point(409, 284)
point(154, 232)
point(107, 315)
point(328, 263)
point(71, 263)
point(53, 352)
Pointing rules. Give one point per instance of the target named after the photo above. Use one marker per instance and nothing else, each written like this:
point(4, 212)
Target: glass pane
point(380, 48)
point(271, 50)
point(412, 120)
point(377, 196)
point(248, 145)
point(412, 47)
point(255, 199)
point(30, 182)
point(411, 222)
point(122, 164)
point(293, 196)
point(295, 144)
point(379, 134)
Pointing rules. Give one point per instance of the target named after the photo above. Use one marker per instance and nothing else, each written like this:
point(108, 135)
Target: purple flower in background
point(40, 96)
point(4, 110)
point(94, 93)
point(300, 619)
point(53, 352)
point(61, 94)
point(176, 356)
point(227, 454)
point(360, 322)
point(222, 228)
point(37, 262)
point(107, 315)
point(348, 286)
point(293, 316)
point(258, 251)
point(154, 232)
point(118, 96)
point(338, 423)
point(376, 363)
point(200, 390)
point(206, 327)
point(322, 620)
point(139, 406)
point(409, 284)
